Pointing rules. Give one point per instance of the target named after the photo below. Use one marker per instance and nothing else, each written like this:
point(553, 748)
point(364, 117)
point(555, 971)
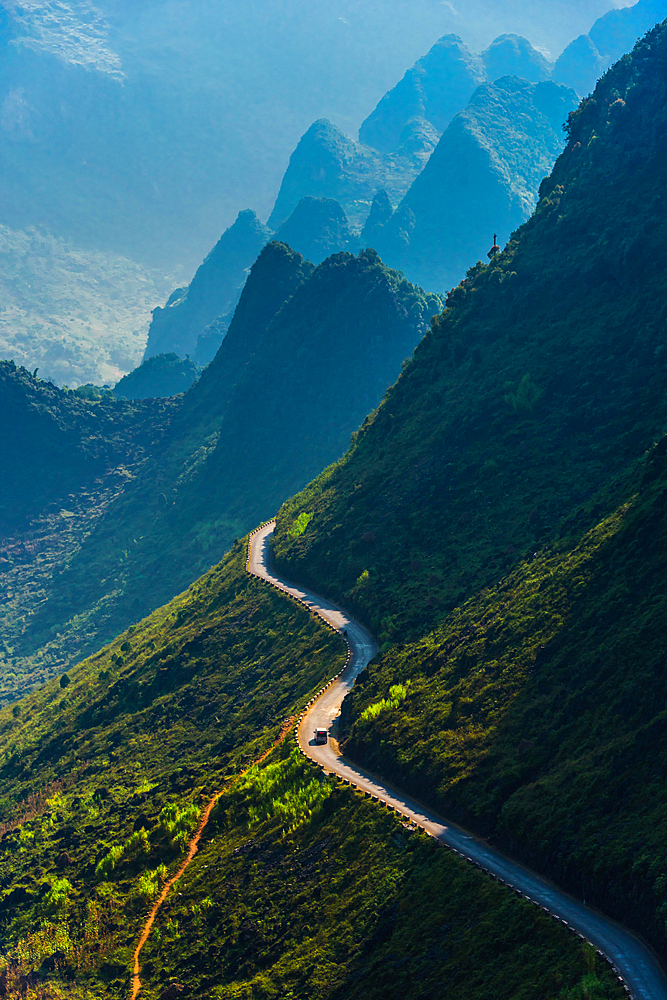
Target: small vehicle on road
point(320, 736)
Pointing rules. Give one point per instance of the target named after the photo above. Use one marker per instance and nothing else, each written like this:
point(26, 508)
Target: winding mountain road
point(632, 960)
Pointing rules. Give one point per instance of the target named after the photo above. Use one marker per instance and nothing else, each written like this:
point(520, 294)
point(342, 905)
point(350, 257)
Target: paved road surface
point(633, 961)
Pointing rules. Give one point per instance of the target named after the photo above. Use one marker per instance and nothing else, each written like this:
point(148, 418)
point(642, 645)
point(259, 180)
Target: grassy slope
point(497, 515)
point(299, 887)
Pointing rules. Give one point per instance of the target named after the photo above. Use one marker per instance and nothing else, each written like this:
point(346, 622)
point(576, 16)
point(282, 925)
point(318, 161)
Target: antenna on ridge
point(495, 248)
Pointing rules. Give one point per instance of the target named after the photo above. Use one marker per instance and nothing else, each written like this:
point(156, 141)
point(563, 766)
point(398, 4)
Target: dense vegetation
point(60, 441)
point(499, 509)
point(158, 376)
point(298, 887)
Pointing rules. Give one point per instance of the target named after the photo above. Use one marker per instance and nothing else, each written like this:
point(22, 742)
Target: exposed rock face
point(482, 178)
point(213, 291)
point(326, 164)
point(159, 376)
point(316, 228)
point(588, 56)
point(435, 88)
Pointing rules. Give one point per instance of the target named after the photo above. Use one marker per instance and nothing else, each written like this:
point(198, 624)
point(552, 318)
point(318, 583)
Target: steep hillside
point(512, 55)
point(308, 354)
point(55, 442)
point(435, 88)
point(555, 348)
point(397, 139)
point(213, 291)
point(441, 83)
point(536, 711)
point(498, 523)
point(299, 887)
point(483, 177)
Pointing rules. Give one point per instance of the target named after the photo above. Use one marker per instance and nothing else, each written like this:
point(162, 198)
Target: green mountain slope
point(308, 353)
point(298, 886)
point(55, 442)
point(497, 522)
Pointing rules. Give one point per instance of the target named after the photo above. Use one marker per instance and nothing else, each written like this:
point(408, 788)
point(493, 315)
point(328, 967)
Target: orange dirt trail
point(192, 850)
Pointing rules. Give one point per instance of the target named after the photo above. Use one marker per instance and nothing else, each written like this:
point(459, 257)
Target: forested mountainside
point(308, 354)
point(298, 887)
point(483, 176)
point(58, 442)
point(500, 522)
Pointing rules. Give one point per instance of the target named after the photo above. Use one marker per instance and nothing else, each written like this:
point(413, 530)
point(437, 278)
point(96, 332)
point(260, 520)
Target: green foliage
point(397, 694)
point(301, 523)
point(538, 701)
point(348, 902)
point(178, 823)
point(284, 790)
point(517, 540)
point(57, 898)
point(526, 395)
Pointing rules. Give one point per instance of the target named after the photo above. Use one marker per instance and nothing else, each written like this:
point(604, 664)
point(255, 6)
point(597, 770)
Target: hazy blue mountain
point(159, 376)
point(213, 291)
point(380, 213)
point(316, 228)
point(435, 88)
point(512, 55)
point(586, 58)
point(441, 83)
point(483, 177)
point(326, 164)
point(202, 103)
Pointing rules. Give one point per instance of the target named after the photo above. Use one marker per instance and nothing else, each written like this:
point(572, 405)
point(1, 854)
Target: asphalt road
point(632, 960)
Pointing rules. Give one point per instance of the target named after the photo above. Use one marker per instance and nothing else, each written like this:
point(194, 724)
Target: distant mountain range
point(455, 152)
